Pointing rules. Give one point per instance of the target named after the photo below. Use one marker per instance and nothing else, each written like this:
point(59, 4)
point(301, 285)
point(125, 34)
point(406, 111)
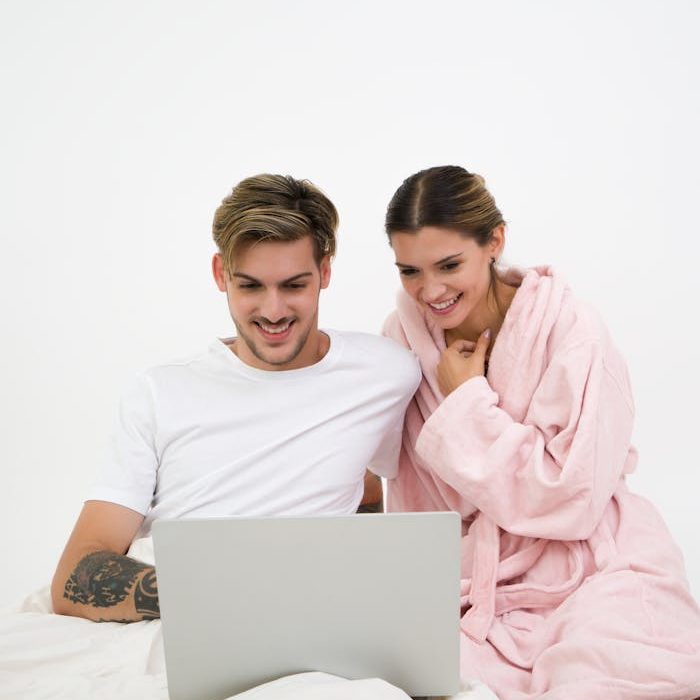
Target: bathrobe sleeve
point(552, 475)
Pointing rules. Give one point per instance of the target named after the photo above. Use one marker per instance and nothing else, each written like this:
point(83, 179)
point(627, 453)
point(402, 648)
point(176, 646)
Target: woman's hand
point(461, 361)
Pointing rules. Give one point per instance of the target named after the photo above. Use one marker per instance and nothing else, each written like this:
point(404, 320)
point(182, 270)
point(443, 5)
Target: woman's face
point(447, 274)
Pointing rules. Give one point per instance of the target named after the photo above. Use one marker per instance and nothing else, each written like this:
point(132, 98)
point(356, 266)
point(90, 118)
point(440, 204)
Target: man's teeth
point(274, 329)
point(444, 304)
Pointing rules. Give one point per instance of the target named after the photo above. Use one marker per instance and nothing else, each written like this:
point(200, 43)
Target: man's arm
point(373, 499)
point(94, 579)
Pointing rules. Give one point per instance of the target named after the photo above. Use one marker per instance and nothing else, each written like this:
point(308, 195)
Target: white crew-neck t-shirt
point(213, 436)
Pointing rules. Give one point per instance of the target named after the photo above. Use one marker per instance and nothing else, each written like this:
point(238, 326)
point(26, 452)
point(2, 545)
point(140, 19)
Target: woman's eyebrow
point(439, 262)
point(448, 258)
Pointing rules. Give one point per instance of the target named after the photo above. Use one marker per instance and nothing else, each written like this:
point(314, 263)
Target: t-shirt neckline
point(220, 347)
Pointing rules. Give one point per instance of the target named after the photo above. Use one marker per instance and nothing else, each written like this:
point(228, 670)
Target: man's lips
point(274, 332)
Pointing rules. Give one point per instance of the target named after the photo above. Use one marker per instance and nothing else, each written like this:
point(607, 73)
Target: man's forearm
point(105, 586)
point(373, 497)
point(376, 507)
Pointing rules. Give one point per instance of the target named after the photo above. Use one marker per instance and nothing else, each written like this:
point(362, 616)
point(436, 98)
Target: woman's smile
point(443, 308)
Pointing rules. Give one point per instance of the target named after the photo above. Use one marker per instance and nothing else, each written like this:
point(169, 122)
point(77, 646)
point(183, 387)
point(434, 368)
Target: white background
point(123, 124)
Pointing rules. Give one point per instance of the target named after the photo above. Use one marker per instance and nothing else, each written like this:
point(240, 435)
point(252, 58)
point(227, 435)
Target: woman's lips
point(444, 307)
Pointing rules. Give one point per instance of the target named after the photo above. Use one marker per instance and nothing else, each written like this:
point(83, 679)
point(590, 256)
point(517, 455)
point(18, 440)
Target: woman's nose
point(433, 290)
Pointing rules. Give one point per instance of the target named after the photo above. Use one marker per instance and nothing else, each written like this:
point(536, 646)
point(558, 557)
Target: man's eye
point(248, 285)
point(296, 286)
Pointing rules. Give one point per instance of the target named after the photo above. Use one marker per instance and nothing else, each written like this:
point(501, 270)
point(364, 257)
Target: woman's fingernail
point(487, 333)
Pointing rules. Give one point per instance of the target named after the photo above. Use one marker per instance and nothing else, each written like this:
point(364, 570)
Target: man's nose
point(274, 307)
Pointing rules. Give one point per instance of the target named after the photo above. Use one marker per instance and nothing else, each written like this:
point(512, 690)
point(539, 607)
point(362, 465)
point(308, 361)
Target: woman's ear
point(498, 241)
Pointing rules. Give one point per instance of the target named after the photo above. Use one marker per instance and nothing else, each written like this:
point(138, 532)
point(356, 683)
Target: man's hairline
point(247, 245)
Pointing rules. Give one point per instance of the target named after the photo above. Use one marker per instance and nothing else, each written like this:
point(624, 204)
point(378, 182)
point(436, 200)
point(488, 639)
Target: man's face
point(273, 299)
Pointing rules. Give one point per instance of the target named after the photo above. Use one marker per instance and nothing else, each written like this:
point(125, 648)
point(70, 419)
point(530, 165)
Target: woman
point(572, 586)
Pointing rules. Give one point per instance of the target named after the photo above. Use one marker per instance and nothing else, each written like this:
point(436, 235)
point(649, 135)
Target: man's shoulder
point(383, 355)
point(380, 345)
point(180, 367)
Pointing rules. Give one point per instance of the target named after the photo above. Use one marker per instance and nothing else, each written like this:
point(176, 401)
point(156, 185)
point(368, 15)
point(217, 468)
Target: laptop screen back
point(247, 600)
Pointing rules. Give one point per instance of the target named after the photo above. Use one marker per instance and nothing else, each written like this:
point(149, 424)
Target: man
point(280, 420)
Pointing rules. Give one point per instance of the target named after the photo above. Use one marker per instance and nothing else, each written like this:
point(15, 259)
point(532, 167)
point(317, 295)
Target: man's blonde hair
point(274, 208)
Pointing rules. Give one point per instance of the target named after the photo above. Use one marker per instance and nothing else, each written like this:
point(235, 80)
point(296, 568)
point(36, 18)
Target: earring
point(493, 261)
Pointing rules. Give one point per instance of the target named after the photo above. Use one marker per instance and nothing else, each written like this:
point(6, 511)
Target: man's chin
point(277, 358)
point(274, 355)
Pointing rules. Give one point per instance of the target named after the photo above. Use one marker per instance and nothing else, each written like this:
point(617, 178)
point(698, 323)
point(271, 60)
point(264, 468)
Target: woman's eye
point(450, 266)
point(407, 271)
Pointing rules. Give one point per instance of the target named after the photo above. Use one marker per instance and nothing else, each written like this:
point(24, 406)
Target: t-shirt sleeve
point(385, 461)
point(127, 475)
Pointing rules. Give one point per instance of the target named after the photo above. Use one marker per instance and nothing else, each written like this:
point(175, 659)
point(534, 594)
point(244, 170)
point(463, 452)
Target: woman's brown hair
point(450, 197)
point(447, 196)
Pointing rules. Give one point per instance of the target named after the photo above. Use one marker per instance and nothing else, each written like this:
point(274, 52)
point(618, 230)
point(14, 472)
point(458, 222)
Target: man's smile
point(276, 332)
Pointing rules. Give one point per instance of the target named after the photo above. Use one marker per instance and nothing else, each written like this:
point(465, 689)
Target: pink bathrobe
point(572, 586)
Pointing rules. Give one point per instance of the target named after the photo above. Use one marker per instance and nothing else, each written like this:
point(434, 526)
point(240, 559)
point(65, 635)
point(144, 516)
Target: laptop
point(244, 601)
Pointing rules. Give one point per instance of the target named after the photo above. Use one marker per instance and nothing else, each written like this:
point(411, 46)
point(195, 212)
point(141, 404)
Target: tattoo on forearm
point(124, 621)
point(104, 579)
point(377, 507)
point(146, 596)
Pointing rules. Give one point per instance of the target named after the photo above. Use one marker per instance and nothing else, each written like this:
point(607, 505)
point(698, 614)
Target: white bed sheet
point(47, 656)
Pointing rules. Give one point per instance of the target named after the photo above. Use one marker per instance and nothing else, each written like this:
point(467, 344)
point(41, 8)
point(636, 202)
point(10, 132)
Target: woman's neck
point(489, 314)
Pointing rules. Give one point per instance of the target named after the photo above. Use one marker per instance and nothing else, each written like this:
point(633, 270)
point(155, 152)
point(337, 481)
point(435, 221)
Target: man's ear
point(325, 269)
point(217, 268)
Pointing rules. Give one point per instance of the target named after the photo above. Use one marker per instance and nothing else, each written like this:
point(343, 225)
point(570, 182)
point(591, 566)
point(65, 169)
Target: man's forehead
point(276, 261)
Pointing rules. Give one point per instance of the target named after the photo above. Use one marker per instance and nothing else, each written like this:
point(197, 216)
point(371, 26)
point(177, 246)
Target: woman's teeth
point(445, 304)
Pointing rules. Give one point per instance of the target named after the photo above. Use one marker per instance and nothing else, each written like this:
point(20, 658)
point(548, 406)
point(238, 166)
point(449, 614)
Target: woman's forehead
point(430, 245)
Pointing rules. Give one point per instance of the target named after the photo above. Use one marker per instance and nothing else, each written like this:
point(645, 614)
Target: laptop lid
point(246, 600)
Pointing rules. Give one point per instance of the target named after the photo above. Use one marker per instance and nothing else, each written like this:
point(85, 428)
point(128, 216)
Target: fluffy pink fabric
point(572, 586)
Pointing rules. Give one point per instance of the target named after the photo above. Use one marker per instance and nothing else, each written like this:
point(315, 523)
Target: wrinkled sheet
point(54, 657)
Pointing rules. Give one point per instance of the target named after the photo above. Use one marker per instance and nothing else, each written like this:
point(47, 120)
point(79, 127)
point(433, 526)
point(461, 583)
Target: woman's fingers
point(462, 346)
point(482, 345)
point(461, 361)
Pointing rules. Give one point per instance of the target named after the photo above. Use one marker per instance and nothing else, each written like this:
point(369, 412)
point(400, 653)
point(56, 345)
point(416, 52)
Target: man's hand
point(461, 361)
point(372, 501)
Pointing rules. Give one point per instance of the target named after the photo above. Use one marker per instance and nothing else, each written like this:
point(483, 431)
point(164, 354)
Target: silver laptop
point(246, 600)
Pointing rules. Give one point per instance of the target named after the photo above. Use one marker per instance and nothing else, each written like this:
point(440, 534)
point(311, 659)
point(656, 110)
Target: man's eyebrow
point(439, 262)
point(245, 277)
point(297, 277)
point(242, 275)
